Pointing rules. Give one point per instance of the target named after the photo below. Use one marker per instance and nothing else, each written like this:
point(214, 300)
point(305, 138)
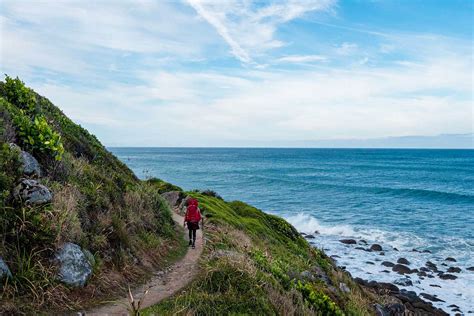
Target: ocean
point(417, 204)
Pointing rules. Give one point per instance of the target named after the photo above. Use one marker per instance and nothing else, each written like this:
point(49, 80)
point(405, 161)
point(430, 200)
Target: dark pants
point(192, 235)
point(192, 226)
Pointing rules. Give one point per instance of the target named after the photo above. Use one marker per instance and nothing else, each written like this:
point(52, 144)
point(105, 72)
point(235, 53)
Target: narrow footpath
point(161, 286)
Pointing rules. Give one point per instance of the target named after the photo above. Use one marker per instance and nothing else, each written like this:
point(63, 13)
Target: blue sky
point(220, 73)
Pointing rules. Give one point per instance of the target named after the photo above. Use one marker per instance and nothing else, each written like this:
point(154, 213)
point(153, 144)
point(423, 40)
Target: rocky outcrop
point(74, 267)
point(403, 261)
point(4, 271)
point(403, 302)
point(31, 192)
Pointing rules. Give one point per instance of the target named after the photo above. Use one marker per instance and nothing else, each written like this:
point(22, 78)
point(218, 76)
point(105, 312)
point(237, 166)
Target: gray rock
point(380, 310)
point(450, 259)
point(32, 192)
point(387, 264)
point(74, 268)
point(31, 166)
point(310, 236)
point(306, 275)
point(470, 269)
point(173, 198)
point(403, 282)
point(344, 287)
point(376, 247)
point(4, 270)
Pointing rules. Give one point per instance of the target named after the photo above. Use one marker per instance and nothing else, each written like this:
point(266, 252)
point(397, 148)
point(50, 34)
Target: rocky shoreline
point(401, 301)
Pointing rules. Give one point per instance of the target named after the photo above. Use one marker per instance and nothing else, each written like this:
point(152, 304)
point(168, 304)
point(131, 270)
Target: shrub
point(33, 129)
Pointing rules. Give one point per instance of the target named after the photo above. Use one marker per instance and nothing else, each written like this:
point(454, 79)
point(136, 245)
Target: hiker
point(192, 218)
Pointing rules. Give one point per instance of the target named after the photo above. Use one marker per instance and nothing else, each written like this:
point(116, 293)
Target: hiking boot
point(190, 243)
point(193, 246)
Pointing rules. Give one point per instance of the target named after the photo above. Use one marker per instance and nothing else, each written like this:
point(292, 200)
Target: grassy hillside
point(256, 263)
point(98, 203)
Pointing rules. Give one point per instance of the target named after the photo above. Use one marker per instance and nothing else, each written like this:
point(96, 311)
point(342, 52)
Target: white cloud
point(346, 49)
point(302, 59)
point(249, 28)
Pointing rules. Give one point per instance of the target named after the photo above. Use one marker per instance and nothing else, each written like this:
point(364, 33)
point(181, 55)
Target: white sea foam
point(459, 291)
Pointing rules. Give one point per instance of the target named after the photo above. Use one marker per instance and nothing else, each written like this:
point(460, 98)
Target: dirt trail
point(162, 285)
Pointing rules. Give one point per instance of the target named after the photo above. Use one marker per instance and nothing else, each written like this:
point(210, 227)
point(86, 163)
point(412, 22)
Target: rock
point(376, 247)
point(446, 276)
point(369, 262)
point(415, 250)
point(380, 310)
point(387, 264)
point(363, 242)
point(396, 249)
point(302, 234)
point(382, 253)
point(307, 276)
point(32, 192)
point(74, 268)
point(426, 251)
point(451, 259)
point(430, 265)
point(470, 269)
point(403, 261)
point(422, 274)
point(401, 269)
point(424, 269)
point(4, 271)
point(385, 271)
point(359, 248)
point(431, 297)
point(403, 282)
point(30, 165)
point(321, 275)
point(309, 237)
point(335, 257)
point(348, 241)
point(454, 270)
point(316, 232)
point(395, 309)
point(344, 287)
point(383, 286)
point(435, 285)
point(173, 198)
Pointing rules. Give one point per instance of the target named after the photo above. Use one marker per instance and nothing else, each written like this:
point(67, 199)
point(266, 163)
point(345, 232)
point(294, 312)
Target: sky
point(245, 73)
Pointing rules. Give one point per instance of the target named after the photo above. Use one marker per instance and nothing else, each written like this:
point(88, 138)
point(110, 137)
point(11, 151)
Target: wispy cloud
point(248, 27)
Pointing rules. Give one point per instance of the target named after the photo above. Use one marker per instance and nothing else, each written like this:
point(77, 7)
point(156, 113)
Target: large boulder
point(75, 268)
point(173, 198)
point(4, 271)
point(32, 192)
point(31, 166)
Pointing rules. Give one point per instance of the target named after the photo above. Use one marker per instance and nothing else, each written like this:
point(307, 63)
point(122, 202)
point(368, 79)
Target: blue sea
point(408, 201)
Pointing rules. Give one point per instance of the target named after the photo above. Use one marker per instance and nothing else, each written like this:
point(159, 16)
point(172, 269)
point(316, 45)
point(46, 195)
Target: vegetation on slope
point(98, 203)
point(256, 263)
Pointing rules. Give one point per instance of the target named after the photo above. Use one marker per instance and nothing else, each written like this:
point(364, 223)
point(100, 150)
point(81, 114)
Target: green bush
point(318, 300)
point(33, 129)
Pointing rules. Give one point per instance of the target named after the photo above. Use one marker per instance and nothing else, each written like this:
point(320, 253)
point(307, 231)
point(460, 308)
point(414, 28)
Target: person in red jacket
point(192, 218)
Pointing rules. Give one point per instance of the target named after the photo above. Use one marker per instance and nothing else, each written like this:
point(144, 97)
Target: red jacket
point(192, 214)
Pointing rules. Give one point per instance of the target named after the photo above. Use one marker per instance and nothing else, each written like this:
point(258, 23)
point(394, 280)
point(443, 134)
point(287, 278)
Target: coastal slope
point(78, 228)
